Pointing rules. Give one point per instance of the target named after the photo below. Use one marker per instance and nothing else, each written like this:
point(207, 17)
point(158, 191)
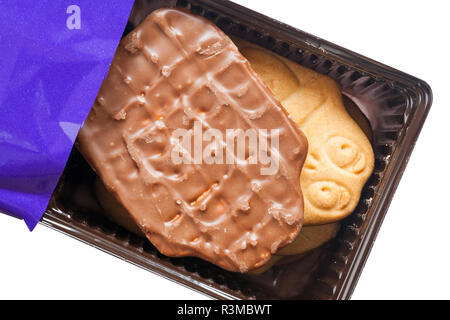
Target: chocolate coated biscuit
point(174, 71)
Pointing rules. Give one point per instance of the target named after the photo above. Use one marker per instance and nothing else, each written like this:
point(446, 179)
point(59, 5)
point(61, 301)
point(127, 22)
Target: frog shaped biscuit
point(340, 157)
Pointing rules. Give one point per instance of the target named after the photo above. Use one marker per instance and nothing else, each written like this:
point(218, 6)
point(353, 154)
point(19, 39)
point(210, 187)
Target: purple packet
point(53, 58)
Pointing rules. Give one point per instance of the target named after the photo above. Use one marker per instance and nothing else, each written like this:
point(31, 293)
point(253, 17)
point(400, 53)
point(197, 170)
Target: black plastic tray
point(395, 104)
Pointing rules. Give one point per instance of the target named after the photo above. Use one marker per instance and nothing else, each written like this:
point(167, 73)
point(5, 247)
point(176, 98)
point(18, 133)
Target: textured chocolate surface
point(174, 70)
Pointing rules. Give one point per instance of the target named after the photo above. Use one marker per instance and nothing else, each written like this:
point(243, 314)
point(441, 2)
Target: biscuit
point(309, 238)
point(340, 157)
point(176, 76)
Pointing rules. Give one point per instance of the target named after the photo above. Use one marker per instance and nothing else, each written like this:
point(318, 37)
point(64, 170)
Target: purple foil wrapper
point(53, 58)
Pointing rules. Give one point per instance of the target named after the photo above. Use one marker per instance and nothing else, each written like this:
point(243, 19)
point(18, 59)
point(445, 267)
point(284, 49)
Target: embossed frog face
point(340, 158)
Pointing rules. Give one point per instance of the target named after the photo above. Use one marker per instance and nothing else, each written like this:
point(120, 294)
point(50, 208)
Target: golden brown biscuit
point(310, 237)
point(340, 157)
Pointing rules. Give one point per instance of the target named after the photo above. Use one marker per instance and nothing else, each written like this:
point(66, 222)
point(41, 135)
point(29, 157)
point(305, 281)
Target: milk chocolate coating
point(173, 69)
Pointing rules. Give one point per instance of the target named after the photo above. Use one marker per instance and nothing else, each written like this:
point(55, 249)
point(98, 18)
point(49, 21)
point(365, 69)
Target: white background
point(410, 258)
